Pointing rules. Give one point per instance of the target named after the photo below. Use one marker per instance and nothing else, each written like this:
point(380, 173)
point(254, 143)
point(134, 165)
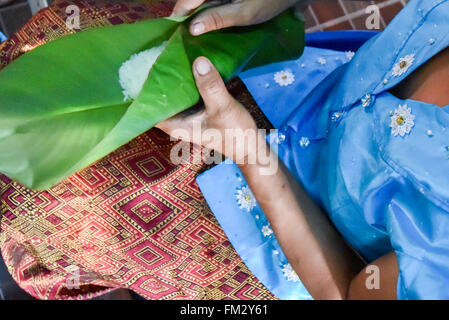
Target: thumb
point(184, 7)
point(224, 16)
point(211, 86)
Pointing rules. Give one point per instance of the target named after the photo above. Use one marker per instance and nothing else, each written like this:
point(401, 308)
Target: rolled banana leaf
point(62, 106)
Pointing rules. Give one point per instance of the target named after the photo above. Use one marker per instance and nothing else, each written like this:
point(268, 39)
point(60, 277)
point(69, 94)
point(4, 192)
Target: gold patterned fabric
point(131, 220)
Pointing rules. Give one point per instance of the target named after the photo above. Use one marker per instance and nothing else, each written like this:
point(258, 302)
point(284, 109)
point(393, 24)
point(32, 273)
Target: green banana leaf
point(62, 106)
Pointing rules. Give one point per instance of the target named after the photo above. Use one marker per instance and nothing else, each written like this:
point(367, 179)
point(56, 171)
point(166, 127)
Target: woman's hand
point(232, 13)
point(222, 113)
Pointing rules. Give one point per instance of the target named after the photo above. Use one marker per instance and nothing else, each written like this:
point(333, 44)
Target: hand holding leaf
point(231, 13)
point(62, 106)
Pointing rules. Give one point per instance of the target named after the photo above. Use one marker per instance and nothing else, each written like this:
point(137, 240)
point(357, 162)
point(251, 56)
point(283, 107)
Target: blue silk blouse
point(378, 165)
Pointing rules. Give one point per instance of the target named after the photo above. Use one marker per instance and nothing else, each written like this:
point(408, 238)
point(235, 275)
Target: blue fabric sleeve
point(249, 232)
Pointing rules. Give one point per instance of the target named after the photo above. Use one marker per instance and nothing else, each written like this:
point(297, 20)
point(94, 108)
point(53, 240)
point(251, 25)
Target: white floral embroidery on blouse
point(284, 78)
point(349, 55)
point(402, 121)
point(289, 273)
point(403, 65)
point(245, 199)
point(280, 138)
point(304, 142)
point(266, 230)
point(321, 61)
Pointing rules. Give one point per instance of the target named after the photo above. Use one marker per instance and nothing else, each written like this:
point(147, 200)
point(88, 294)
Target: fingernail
point(202, 67)
point(197, 28)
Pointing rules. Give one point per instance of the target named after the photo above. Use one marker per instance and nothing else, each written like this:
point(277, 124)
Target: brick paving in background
point(327, 15)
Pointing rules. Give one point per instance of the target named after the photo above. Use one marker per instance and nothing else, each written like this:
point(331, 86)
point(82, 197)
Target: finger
point(184, 7)
point(176, 129)
point(220, 17)
point(211, 86)
point(172, 125)
point(182, 121)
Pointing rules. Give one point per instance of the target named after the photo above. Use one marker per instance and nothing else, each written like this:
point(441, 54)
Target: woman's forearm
point(326, 265)
point(319, 255)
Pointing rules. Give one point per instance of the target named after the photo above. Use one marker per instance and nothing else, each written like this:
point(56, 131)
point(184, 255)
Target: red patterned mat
point(131, 220)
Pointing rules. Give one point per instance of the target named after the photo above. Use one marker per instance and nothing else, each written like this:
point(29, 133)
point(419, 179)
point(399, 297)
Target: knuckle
point(214, 87)
point(215, 20)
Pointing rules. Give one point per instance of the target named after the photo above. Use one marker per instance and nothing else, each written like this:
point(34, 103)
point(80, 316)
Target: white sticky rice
point(134, 72)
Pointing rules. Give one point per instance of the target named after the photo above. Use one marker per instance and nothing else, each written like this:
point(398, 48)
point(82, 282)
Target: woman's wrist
point(261, 161)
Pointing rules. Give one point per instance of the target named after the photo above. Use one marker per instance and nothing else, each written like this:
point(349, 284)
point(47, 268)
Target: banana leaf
point(62, 106)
